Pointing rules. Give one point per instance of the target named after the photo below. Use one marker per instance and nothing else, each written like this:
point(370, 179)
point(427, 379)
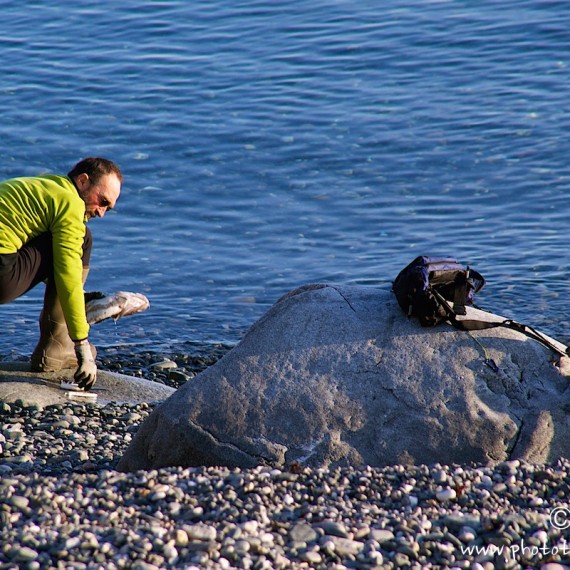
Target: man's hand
point(86, 373)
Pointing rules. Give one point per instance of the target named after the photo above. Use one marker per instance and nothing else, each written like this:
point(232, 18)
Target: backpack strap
point(478, 325)
point(460, 293)
point(534, 334)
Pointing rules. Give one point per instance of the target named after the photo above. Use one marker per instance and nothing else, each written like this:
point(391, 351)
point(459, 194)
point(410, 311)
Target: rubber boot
point(55, 349)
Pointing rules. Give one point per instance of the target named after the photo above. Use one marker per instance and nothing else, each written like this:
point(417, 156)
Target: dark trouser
point(33, 263)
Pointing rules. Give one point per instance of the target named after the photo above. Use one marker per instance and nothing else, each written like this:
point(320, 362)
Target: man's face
point(98, 197)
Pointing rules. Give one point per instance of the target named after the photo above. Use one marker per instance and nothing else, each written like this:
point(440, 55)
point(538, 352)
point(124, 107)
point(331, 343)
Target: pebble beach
point(63, 504)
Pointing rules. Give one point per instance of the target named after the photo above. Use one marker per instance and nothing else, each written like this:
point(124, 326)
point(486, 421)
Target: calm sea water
point(266, 145)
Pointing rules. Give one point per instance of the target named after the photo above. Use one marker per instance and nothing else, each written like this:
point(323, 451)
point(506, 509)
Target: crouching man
point(44, 237)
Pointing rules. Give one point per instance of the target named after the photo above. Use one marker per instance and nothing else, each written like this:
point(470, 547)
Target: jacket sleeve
point(68, 232)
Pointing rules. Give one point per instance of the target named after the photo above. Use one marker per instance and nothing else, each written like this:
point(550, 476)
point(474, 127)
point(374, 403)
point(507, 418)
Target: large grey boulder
point(339, 375)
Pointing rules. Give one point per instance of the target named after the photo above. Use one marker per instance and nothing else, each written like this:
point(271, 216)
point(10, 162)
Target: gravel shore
point(62, 504)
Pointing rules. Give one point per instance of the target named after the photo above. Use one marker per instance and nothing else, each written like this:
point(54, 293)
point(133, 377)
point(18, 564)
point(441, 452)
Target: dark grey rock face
point(339, 376)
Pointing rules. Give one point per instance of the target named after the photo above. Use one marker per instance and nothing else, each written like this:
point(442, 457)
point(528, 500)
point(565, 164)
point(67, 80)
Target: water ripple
point(266, 145)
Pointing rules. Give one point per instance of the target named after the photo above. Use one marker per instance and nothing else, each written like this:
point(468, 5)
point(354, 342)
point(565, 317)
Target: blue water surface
point(267, 145)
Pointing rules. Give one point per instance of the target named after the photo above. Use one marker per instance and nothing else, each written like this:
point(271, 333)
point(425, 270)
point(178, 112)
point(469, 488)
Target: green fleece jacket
point(49, 203)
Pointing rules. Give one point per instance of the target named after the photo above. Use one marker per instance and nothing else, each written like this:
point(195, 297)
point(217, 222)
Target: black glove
point(92, 295)
point(86, 373)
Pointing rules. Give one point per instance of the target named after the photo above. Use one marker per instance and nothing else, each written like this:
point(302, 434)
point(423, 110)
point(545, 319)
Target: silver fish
point(101, 306)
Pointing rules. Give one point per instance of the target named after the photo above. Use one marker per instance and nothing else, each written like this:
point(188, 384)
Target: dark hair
point(95, 168)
